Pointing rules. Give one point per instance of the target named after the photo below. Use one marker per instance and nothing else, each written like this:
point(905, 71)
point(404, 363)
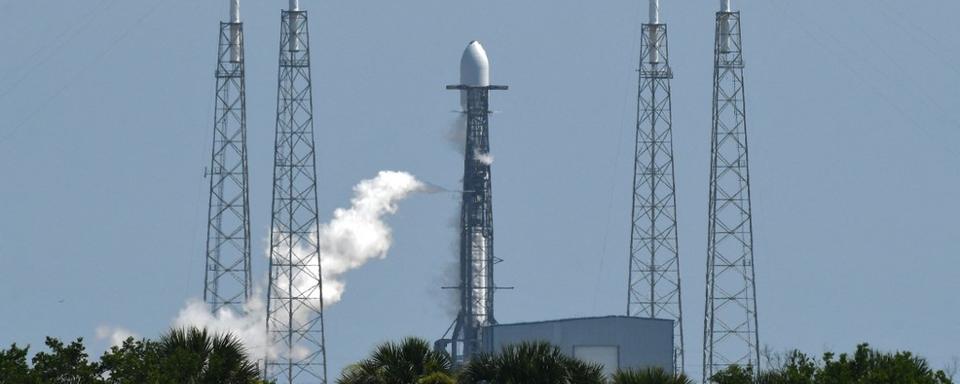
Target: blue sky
point(106, 110)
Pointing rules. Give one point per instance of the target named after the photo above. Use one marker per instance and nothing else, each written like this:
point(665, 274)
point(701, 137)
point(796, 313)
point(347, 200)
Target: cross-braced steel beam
point(294, 302)
point(227, 280)
point(654, 277)
point(730, 324)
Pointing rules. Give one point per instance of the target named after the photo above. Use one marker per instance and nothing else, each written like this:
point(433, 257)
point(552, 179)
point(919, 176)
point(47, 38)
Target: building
point(616, 342)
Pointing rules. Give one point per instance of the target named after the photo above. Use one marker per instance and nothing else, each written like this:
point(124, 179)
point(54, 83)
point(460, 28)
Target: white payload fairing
point(475, 66)
point(474, 69)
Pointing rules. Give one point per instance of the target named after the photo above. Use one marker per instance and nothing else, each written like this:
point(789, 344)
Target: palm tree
point(655, 375)
point(530, 363)
point(194, 356)
point(411, 361)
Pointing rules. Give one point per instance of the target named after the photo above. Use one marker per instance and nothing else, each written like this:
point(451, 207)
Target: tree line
point(181, 356)
point(195, 356)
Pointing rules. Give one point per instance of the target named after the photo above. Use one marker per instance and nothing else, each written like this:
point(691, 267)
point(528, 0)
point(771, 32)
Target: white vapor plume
point(250, 326)
point(358, 234)
point(116, 335)
point(485, 158)
point(456, 134)
point(355, 236)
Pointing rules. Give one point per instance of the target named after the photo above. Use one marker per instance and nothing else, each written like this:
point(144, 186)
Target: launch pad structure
point(227, 276)
point(476, 285)
point(654, 270)
point(295, 308)
point(295, 295)
point(730, 317)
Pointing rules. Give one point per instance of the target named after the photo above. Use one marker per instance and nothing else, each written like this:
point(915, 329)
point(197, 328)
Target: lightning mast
point(227, 274)
point(294, 299)
point(730, 323)
point(476, 215)
point(654, 274)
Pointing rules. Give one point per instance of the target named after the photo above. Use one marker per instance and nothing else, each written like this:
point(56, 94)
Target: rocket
point(476, 211)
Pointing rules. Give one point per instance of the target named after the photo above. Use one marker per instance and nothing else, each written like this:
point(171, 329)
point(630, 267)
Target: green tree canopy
point(411, 361)
point(530, 363)
point(183, 356)
point(655, 375)
point(865, 366)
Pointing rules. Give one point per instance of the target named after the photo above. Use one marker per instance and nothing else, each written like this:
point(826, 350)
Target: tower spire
point(730, 323)
point(654, 269)
point(295, 296)
point(227, 280)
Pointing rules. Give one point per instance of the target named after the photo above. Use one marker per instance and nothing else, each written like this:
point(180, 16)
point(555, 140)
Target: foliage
point(734, 374)
point(530, 363)
point(133, 362)
point(184, 356)
point(654, 375)
point(410, 361)
point(14, 367)
point(195, 356)
point(65, 363)
point(866, 366)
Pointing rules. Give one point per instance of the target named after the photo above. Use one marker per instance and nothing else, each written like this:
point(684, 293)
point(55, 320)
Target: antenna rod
point(235, 51)
point(234, 11)
point(294, 43)
point(654, 11)
point(725, 6)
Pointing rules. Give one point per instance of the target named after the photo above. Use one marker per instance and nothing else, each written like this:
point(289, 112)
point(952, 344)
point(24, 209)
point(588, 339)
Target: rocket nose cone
point(475, 66)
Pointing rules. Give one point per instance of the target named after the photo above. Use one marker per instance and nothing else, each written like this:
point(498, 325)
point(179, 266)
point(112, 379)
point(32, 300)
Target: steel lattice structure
point(227, 277)
point(476, 230)
point(654, 278)
point(294, 303)
point(730, 324)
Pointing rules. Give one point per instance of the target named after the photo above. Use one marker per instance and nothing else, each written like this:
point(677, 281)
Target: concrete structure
point(616, 342)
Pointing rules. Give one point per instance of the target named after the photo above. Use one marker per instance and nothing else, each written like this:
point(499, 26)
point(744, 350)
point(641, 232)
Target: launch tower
point(476, 215)
point(654, 276)
point(227, 273)
point(730, 323)
point(294, 299)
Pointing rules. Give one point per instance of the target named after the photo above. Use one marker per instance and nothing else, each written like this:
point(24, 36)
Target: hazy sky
point(106, 111)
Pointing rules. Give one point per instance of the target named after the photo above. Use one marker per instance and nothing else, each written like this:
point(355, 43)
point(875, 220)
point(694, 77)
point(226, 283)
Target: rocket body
point(476, 210)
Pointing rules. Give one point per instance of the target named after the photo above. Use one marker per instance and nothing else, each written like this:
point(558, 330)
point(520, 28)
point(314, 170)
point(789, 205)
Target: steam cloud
point(358, 234)
point(355, 236)
point(485, 158)
point(115, 335)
